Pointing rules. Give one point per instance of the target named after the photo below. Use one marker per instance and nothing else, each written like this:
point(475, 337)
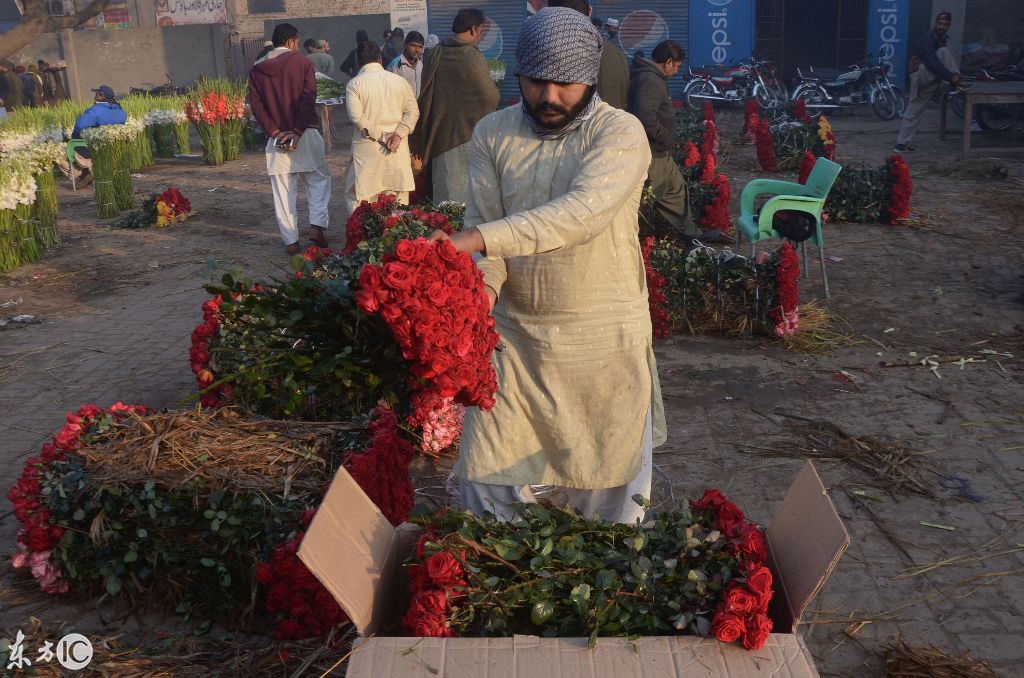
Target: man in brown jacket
point(456, 91)
point(282, 94)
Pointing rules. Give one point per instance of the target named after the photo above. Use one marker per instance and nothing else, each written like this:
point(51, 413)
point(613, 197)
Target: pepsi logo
point(642, 30)
point(492, 42)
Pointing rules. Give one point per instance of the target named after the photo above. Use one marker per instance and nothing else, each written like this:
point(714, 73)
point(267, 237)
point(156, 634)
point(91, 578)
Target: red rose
point(730, 518)
point(437, 292)
point(740, 600)
point(440, 363)
point(406, 251)
point(757, 631)
point(367, 301)
point(727, 626)
point(397, 276)
point(430, 602)
point(751, 543)
point(759, 581)
point(444, 570)
point(38, 539)
point(712, 499)
point(264, 574)
point(390, 312)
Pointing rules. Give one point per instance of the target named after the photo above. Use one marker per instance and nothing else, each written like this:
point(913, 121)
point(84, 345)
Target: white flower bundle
point(164, 117)
point(17, 185)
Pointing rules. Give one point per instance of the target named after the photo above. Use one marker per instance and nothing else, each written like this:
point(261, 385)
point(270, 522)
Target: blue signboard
point(721, 31)
point(888, 24)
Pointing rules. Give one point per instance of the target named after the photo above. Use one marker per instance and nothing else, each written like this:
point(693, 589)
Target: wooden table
point(985, 93)
point(324, 112)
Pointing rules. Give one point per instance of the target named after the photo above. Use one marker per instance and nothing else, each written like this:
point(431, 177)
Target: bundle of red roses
point(39, 532)
point(661, 321)
point(373, 219)
point(800, 112)
point(751, 112)
point(549, 572)
point(899, 189)
point(432, 298)
point(807, 161)
point(786, 312)
point(742, 613)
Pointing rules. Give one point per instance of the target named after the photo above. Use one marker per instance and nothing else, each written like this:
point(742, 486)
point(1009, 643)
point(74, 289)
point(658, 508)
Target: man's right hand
point(956, 80)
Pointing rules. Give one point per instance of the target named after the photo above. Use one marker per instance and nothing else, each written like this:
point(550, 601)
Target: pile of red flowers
point(302, 606)
point(800, 112)
point(171, 206)
point(38, 534)
point(743, 612)
point(199, 355)
point(765, 145)
point(372, 219)
point(432, 298)
point(661, 321)
point(786, 312)
point(690, 154)
point(899, 190)
point(751, 112)
point(716, 212)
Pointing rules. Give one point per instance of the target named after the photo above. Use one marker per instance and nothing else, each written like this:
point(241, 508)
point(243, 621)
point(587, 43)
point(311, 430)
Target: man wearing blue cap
point(106, 111)
point(554, 189)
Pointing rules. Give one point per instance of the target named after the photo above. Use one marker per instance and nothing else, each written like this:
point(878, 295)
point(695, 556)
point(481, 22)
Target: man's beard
point(567, 114)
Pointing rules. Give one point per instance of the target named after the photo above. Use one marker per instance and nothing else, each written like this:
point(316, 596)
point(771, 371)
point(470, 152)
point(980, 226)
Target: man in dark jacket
point(350, 66)
point(649, 101)
point(282, 94)
point(613, 80)
point(10, 90)
point(936, 64)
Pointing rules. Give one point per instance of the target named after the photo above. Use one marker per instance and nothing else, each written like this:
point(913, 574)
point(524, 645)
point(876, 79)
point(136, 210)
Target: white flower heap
point(17, 183)
point(108, 134)
point(164, 117)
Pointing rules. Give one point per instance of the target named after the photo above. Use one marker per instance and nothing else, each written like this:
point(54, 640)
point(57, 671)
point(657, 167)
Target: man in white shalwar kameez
point(383, 111)
point(555, 186)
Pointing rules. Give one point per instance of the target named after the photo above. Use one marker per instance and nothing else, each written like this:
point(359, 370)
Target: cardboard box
point(358, 556)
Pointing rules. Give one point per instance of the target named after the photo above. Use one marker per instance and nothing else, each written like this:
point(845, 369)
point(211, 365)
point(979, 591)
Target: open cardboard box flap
point(357, 555)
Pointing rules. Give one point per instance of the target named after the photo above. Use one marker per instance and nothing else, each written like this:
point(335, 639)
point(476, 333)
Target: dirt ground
point(116, 309)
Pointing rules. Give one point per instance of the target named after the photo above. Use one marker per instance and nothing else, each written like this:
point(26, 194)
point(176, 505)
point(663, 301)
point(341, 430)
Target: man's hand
point(469, 241)
point(287, 140)
point(393, 141)
point(956, 80)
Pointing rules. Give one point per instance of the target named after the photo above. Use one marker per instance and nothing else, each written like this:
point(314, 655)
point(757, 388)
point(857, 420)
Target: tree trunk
point(37, 20)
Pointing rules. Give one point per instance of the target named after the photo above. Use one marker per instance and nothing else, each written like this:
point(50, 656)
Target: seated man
point(106, 111)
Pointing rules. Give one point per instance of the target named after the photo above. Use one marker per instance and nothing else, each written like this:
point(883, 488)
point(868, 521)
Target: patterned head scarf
point(560, 45)
point(948, 16)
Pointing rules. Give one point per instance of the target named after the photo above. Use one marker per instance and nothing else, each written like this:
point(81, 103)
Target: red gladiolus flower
point(806, 165)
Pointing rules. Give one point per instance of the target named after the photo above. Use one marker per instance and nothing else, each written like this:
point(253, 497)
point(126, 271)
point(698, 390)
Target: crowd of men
point(35, 85)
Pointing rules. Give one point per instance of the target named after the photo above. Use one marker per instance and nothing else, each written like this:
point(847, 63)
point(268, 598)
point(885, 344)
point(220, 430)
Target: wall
point(249, 20)
point(995, 21)
point(134, 57)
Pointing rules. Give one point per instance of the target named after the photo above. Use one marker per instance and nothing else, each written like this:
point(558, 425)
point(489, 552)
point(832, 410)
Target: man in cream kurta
point(555, 186)
point(383, 111)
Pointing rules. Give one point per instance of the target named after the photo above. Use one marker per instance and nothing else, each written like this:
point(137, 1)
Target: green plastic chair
point(72, 145)
point(789, 196)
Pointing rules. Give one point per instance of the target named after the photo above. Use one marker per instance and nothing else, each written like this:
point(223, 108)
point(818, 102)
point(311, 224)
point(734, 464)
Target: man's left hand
point(393, 141)
point(469, 241)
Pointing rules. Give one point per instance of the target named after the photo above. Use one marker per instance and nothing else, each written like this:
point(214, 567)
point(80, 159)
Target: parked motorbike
point(166, 89)
point(990, 117)
point(742, 80)
point(864, 83)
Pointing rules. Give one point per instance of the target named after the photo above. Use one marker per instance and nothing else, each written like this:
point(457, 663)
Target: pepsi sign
point(721, 31)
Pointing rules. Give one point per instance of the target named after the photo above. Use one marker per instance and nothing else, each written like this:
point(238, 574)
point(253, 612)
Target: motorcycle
point(990, 117)
point(745, 79)
point(830, 89)
point(166, 89)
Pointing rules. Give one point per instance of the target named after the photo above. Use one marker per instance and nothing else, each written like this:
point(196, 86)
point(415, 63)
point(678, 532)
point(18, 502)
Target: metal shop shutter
point(505, 19)
point(645, 23)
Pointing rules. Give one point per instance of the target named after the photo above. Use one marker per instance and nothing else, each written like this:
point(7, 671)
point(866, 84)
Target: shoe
point(899, 148)
point(84, 179)
point(714, 236)
point(292, 249)
point(317, 236)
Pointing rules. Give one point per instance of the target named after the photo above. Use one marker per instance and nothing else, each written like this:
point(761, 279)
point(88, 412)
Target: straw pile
point(220, 447)
point(926, 661)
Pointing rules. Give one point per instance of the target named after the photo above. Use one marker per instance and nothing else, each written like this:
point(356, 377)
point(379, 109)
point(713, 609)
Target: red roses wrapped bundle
point(432, 298)
point(742, 613)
